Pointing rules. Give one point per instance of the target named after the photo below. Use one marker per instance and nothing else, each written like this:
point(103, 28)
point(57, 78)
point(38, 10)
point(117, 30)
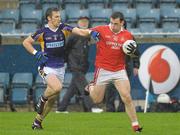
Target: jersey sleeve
point(131, 35)
point(67, 29)
point(36, 35)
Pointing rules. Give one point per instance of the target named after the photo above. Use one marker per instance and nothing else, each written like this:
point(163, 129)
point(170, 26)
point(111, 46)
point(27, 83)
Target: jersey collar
point(54, 30)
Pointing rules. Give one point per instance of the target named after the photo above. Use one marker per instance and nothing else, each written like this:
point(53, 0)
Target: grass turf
point(19, 123)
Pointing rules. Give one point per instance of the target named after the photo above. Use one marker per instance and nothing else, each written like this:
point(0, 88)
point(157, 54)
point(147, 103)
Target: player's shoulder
point(126, 32)
point(38, 32)
point(41, 30)
point(63, 25)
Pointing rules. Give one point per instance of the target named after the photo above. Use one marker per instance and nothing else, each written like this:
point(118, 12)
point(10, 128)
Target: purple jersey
point(52, 43)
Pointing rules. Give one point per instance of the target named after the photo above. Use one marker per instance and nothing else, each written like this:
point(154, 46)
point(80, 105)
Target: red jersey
point(109, 53)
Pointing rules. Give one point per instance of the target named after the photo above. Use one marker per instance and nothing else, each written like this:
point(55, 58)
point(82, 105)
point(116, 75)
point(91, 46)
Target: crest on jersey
point(122, 39)
point(55, 37)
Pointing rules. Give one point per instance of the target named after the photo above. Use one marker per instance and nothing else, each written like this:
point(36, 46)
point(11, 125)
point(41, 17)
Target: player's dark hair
point(49, 12)
point(116, 15)
point(125, 24)
point(0, 39)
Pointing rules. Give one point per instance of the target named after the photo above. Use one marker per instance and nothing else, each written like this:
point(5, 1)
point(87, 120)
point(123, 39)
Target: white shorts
point(103, 76)
point(59, 72)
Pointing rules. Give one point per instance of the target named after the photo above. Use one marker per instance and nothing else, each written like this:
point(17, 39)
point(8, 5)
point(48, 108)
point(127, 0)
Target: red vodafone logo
point(159, 68)
point(160, 64)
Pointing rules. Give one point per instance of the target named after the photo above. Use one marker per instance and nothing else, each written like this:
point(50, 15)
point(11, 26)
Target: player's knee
point(57, 88)
point(97, 100)
point(127, 99)
point(52, 99)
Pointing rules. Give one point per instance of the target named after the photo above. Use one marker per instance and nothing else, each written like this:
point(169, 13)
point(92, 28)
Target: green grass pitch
point(19, 123)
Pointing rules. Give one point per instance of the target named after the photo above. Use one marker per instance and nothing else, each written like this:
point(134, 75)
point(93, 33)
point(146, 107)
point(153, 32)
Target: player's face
point(55, 19)
point(116, 24)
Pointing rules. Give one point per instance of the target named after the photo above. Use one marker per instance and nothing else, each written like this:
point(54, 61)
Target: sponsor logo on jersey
point(114, 45)
point(55, 44)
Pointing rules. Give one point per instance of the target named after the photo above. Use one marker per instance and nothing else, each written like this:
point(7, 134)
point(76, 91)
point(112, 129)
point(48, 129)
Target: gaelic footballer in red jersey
point(110, 65)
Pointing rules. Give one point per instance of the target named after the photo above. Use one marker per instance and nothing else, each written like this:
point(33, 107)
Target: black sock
point(43, 98)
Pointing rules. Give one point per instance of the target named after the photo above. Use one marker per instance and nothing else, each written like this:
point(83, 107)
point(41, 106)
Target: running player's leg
point(49, 105)
point(97, 88)
point(123, 87)
point(47, 108)
point(54, 85)
point(97, 92)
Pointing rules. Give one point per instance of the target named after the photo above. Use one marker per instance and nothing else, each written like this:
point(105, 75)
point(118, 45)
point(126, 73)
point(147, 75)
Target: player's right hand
point(95, 35)
point(41, 58)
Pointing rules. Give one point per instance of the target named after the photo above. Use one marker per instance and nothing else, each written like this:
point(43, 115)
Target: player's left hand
point(131, 48)
point(95, 35)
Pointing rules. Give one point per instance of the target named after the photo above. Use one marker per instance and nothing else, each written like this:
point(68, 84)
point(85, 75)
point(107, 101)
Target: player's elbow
point(57, 88)
point(25, 42)
point(28, 41)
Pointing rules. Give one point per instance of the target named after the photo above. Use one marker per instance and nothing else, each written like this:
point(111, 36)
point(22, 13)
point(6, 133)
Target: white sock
point(135, 123)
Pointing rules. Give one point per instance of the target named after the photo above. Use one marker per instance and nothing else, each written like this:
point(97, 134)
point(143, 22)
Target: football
point(129, 47)
point(163, 98)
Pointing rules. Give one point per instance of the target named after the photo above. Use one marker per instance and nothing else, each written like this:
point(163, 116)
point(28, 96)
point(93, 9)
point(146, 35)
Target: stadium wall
point(14, 58)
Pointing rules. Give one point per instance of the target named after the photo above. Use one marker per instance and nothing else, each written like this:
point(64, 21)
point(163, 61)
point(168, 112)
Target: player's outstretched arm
point(86, 32)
